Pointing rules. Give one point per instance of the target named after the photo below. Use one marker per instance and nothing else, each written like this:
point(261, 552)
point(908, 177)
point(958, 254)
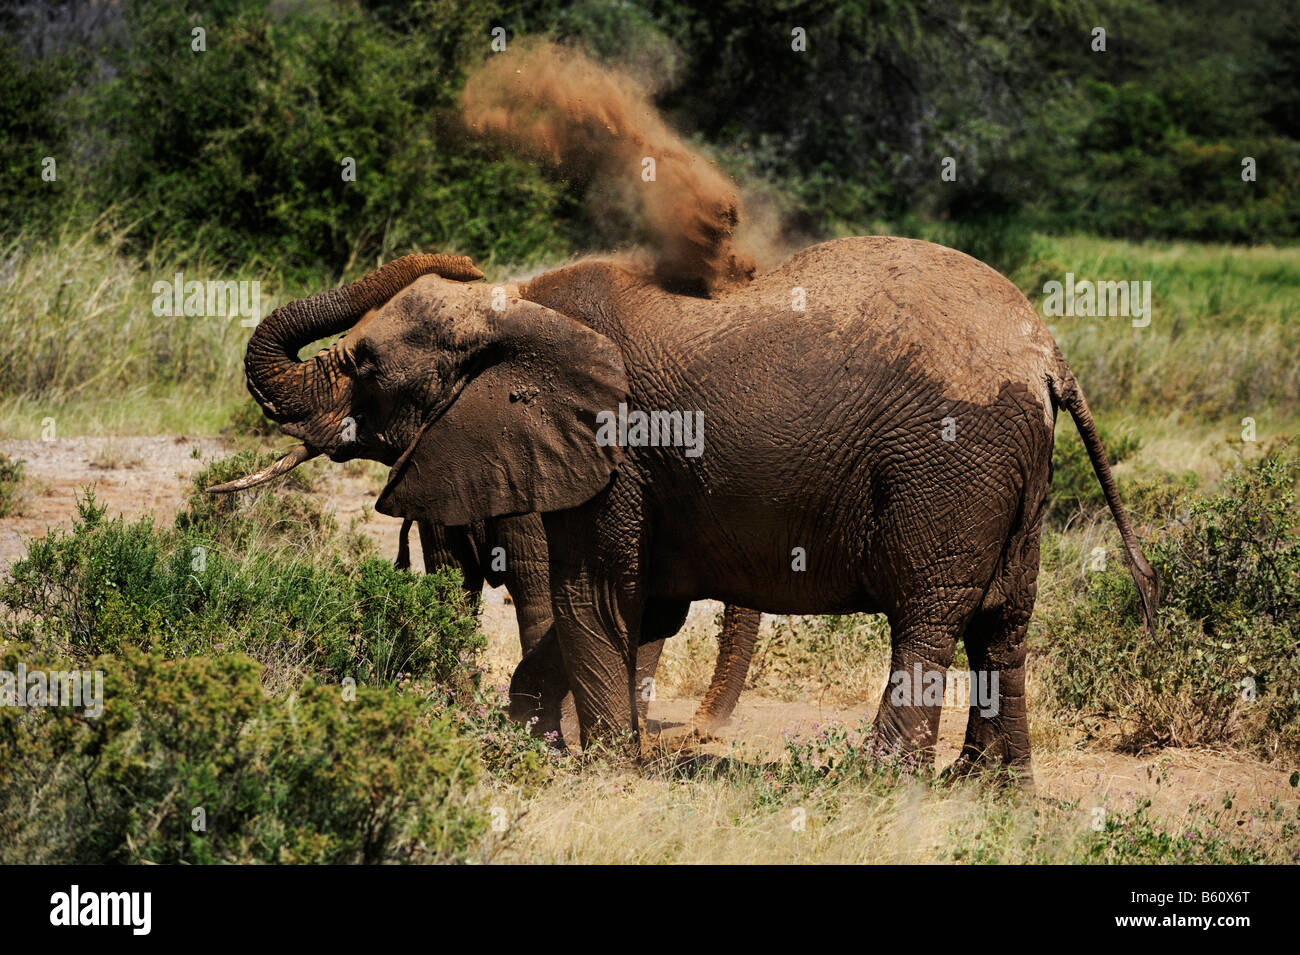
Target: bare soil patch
point(150, 475)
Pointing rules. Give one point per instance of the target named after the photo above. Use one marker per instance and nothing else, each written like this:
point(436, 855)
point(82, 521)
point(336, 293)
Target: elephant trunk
point(289, 389)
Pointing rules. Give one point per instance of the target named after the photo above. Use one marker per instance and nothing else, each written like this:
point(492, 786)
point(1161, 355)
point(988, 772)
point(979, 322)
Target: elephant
point(522, 569)
point(880, 416)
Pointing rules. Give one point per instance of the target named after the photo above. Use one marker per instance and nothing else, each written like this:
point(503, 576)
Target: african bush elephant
point(511, 552)
point(879, 417)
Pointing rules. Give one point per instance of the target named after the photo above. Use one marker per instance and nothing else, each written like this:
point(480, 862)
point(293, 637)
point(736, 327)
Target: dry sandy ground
point(137, 476)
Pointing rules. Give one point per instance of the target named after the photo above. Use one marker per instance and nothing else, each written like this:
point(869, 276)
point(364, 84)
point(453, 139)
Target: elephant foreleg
point(451, 547)
point(539, 690)
point(598, 596)
point(735, 649)
point(526, 574)
point(403, 561)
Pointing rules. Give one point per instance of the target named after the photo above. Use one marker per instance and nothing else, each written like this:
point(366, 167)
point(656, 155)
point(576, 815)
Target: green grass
point(1224, 338)
point(84, 348)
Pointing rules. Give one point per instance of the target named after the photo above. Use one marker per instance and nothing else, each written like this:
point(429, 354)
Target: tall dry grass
point(81, 343)
point(734, 812)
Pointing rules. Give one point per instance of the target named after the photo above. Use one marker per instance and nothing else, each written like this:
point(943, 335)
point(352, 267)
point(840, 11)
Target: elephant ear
point(521, 435)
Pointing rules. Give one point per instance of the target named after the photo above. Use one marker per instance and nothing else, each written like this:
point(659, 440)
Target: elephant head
point(482, 403)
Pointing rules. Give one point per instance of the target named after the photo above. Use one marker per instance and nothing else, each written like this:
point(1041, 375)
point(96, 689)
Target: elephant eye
point(359, 361)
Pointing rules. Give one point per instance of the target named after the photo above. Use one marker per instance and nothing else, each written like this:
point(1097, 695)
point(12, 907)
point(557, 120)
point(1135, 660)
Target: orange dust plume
point(555, 104)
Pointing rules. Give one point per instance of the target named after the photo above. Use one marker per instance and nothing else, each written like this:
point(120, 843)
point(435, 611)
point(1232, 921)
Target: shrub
point(107, 585)
point(1237, 557)
point(279, 511)
point(243, 147)
point(30, 94)
point(1203, 837)
point(306, 777)
point(1224, 666)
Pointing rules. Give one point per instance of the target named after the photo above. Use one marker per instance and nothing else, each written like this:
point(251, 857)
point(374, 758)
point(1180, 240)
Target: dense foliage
point(271, 692)
point(239, 149)
point(1224, 666)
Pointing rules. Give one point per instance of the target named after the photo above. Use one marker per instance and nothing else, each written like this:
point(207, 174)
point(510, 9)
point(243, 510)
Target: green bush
point(1137, 171)
point(241, 148)
point(30, 94)
point(307, 777)
point(1237, 557)
point(107, 585)
point(277, 512)
point(316, 708)
point(1205, 838)
point(1224, 666)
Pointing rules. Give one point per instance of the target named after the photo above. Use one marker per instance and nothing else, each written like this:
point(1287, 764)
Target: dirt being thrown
point(594, 123)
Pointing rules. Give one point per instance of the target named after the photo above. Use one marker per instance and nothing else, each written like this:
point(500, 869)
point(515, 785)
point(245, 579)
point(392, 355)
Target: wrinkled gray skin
point(511, 552)
point(884, 449)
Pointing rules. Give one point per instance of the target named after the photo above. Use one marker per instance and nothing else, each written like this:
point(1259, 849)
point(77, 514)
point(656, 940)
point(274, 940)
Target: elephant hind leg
point(924, 643)
point(735, 649)
point(997, 728)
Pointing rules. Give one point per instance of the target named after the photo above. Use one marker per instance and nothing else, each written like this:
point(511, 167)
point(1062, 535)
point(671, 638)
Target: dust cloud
point(599, 126)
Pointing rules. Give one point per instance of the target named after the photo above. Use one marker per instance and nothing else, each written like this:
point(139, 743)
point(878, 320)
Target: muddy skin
point(525, 575)
point(885, 449)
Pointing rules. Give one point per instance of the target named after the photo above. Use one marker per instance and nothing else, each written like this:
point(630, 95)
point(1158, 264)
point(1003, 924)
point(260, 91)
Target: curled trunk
point(289, 389)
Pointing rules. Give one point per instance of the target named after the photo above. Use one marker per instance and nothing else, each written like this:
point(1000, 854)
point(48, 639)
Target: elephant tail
point(1067, 394)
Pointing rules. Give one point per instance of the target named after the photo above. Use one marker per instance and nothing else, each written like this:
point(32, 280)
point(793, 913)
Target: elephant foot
point(1016, 776)
point(672, 740)
point(904, 749)
point(705, 729)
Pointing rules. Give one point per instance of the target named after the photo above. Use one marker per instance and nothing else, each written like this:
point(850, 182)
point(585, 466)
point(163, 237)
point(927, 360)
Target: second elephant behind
point(511, 552)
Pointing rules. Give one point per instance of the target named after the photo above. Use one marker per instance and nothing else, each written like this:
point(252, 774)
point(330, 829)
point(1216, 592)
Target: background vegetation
point(237, 150)
point(231, 636)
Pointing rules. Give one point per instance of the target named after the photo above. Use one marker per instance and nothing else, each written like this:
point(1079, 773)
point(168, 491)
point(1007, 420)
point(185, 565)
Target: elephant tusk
point(283, 466)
